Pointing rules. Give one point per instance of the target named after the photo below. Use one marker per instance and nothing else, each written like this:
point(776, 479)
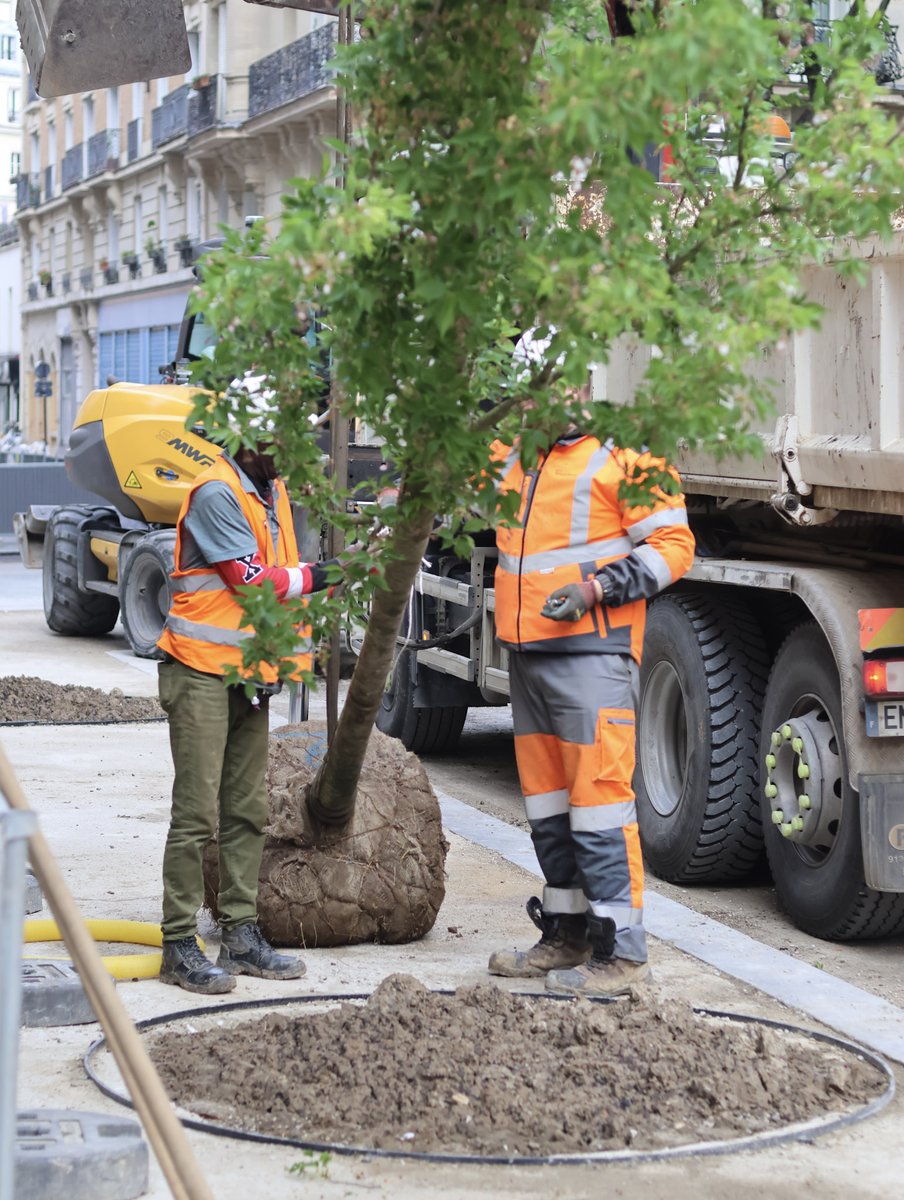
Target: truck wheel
point(67, 609)
point(810, 811)
point(421, 730)
point(145, 593)
point(702, 680)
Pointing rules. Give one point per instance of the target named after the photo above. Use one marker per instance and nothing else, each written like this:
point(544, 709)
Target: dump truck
point(771, 710)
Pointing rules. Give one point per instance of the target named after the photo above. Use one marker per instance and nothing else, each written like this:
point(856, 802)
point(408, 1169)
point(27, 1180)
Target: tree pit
point(485, 1072)
point(379, 879)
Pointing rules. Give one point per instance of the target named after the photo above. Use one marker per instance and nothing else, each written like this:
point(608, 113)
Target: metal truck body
point(771, 712)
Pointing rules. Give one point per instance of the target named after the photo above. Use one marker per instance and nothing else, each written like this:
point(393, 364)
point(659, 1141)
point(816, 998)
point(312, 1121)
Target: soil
point(488, 1072)
point(379, 879)
point(27, 700)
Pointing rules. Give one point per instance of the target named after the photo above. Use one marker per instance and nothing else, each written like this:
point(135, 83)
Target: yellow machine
point(129, 446)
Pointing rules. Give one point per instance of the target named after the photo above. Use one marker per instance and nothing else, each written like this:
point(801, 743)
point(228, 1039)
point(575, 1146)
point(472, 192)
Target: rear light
point(883, 677)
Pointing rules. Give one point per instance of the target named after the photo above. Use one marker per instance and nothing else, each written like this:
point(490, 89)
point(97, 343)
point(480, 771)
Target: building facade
point(117, 188)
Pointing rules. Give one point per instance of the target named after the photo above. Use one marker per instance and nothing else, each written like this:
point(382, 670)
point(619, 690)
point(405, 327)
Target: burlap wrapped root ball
point(379, 879)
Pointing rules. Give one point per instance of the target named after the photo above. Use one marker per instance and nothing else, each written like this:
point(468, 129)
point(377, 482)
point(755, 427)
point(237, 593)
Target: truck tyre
point(817, 869)
point(67, 609)
point(145, 592)
point(701, 688)
point(421, 730)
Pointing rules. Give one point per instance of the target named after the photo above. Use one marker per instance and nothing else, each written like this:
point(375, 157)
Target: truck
point(771, 710)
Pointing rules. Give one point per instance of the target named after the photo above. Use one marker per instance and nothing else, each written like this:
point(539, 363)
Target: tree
point(496, 182)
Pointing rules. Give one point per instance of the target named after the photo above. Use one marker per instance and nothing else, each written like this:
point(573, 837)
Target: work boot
point(563, 943)
point(245, 951)
point(185, 966)
point(603, 974)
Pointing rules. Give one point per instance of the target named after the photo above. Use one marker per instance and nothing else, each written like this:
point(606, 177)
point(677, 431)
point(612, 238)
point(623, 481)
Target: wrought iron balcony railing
point(73, 170)
point(169, 119)
point(886, 66)
point(202, 107)
point(103, 152)
point(294, 71)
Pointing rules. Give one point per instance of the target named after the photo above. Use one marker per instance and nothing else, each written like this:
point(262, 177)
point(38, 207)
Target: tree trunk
point(330, 797)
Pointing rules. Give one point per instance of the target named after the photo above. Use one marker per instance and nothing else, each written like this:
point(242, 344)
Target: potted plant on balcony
point(199, 82)
point(46, 280)
point(186, 248)
point(155, 249)
point(109, 271)
point(131, 260)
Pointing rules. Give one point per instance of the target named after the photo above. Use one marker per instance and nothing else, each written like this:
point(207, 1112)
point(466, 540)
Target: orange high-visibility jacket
point(204, 628)
point(572, 523)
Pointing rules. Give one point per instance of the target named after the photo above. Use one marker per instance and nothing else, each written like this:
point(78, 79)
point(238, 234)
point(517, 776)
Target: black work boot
point(245, 951)
point(603, 974)
point(187, 967)
point(563, 943)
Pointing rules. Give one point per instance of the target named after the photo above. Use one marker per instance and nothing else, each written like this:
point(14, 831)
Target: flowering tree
point(496, 181)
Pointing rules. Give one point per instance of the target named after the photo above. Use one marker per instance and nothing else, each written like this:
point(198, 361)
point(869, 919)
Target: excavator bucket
point(77, 45)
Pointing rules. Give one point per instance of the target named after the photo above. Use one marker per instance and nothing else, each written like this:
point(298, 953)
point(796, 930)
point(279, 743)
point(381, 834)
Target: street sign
point(42, 369)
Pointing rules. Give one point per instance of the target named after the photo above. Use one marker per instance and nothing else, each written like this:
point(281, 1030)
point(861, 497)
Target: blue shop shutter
point(157, 354)
point(134, 370)
point(120, 368)
point(105, 359)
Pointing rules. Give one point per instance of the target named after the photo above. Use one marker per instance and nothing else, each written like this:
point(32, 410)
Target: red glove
point(573, 601)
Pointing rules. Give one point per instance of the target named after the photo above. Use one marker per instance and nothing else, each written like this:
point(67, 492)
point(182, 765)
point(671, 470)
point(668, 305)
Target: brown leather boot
point(563, 943)
point(603, 974)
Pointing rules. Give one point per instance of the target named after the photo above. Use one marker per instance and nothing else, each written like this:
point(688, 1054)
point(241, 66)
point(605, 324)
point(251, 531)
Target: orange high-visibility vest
point(204, 628)
point(571, 523)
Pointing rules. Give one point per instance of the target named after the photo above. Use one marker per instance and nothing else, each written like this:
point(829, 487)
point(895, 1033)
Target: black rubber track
point(716, 648)
point(67, 610)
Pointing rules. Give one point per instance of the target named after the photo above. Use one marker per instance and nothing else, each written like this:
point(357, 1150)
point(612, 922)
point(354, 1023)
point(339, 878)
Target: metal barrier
point(15, 830)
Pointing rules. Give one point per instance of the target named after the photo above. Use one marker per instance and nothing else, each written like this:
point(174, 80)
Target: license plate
point(885, 718)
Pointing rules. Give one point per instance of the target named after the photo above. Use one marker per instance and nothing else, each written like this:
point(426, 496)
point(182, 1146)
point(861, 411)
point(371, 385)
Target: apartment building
point(119, 186)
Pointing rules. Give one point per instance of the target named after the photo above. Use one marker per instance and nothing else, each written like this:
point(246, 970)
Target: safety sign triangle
point(132, 481)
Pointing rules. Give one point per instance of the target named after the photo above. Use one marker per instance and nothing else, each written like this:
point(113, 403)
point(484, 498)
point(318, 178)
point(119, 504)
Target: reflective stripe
point(214, 634)
point(546, 804)
point(622, 914)
point(593, 818)
point(655, 564)
point(564, 900)
point(565, 556)
point(657, 520)
point(198, 583)
point(583, 493)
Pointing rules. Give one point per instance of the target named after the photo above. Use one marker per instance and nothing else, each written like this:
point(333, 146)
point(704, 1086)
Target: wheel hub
point(663, 747)
point(803, 780)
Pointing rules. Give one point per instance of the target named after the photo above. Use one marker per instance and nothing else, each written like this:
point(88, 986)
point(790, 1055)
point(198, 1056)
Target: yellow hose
point(120, 966)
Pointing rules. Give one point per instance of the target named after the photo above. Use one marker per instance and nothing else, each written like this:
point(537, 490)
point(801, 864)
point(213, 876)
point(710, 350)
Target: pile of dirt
point(381, 878)
point(488, 1072)
point(25, 699)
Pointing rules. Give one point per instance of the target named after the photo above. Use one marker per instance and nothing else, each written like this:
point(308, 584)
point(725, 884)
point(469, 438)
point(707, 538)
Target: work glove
point(571, 602)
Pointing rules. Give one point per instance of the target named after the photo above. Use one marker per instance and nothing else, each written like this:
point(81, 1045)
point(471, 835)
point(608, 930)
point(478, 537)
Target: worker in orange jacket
point(234, 530)
point(572, 582)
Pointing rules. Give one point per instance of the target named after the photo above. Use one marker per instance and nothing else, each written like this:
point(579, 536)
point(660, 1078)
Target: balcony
point(295, 71)
point(73, 171)
point(170, 119)
point(886, 67)
point(86, 279)
point(202, 107)
point(103, 152)
point(9, 234)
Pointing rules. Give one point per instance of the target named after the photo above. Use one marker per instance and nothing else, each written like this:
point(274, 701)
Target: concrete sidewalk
point(102, 793)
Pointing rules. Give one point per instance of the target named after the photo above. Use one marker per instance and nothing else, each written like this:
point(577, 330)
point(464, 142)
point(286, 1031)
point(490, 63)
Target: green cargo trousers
point(219, 745)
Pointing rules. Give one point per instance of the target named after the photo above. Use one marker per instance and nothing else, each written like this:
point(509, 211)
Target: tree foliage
point(496, 182)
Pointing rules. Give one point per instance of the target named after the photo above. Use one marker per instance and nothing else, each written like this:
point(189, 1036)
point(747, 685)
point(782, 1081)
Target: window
point(15, 164)
point(12, 105)
point(8, 47)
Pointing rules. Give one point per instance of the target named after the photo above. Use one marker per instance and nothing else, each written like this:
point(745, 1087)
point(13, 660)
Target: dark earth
point(488, 1072)
point(27, 700)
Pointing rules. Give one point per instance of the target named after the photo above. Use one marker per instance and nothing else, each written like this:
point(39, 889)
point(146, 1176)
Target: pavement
point(101, 793)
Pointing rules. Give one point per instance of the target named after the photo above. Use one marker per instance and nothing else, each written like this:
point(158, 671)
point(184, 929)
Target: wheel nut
point(797, 824)
point(803, 771)
point(771, 791)
point(777, 816)
point(786, 829)
point(786, 732)
point(776, 739)
point(797, 745)
point(770, 761)
point(803, 802)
